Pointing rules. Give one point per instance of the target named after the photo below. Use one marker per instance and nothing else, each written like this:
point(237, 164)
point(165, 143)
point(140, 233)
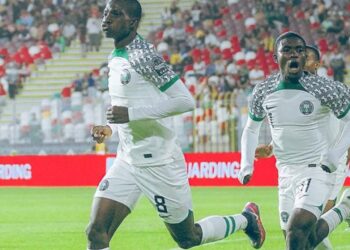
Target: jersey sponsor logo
point(284, 217)
point(159, 65)
point(306, 107)
point(103, 185)
point(15, 171)
point(125, 77)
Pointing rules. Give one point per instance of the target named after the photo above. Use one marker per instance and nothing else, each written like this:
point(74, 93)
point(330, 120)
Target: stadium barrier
point(204, 169)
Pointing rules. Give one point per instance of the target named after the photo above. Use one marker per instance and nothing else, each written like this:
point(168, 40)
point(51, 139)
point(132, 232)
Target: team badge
point(159, 65)
point(125, 77)
point(103, 185)
point(306, 107)
point(284, 216)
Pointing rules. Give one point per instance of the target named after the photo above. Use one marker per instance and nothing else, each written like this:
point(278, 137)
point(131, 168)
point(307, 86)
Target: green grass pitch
point(55, 219)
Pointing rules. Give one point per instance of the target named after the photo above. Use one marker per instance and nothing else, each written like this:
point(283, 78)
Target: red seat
point(218, 23)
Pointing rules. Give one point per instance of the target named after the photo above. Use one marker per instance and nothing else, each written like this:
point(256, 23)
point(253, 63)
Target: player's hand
point(100, 133)
point(263, 151)
point(244, 176)
point(117, 114)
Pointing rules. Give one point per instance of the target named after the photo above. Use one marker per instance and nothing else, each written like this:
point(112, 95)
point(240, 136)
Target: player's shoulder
point(320, 86)
point(141, 50)
point(267, 86)
point(143, 56)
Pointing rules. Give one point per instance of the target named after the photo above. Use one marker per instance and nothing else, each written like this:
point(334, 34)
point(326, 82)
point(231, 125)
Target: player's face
point(291, 57)
point(312, 62)
point(116, 23)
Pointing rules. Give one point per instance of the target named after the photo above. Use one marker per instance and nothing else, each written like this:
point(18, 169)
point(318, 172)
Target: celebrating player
point(298, 105)
point(144, 90)
point(313, 58)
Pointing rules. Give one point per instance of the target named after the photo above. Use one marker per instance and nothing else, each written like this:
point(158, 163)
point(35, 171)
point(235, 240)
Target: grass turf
point(55, 219)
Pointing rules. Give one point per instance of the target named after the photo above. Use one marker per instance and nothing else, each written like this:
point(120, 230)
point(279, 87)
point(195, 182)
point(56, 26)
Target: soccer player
point(144, 93)
point(298, 105)
point(313, 58)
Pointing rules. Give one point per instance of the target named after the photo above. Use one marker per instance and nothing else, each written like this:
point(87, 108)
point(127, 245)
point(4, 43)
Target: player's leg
point(106, 216)
point(168, 190)
point(340, 176)
point(286, 199)
point(325, 244)
point(188, 234)
point(312, 191)
point(330, 220)
point(115, 197)
point(329, 205)
point(299, 227)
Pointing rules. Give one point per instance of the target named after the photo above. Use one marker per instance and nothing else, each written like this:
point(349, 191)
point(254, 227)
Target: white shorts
point(165, 186)
point(340, 177)
point(309, 189)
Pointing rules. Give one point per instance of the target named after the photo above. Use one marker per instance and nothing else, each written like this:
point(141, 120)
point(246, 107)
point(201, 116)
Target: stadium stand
point(220, 50)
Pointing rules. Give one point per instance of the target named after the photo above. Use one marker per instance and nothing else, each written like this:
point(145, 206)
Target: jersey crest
point(125, 77)
point(306, 107)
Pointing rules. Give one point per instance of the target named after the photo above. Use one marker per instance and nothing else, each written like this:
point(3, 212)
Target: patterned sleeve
point(153, 67)
point(335, 95)
point(255, 103)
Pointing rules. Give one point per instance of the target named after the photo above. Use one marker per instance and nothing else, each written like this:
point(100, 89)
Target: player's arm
point(249, 142)
point(340, 147)
point(180, 101)
point(153, 67)
point(340, 105)
point(250, 136)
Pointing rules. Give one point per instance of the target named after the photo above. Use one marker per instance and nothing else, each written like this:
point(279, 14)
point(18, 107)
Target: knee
point(295, 233)
point(96, 234)
point(298, 232)
point(187, 242)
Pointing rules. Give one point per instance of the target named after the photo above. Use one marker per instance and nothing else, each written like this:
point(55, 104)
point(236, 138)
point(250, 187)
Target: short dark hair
point(316, 50)
point(287, 35)
point(132, 8)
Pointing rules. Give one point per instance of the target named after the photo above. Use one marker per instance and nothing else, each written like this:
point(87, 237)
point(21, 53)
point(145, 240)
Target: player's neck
point(125, 41)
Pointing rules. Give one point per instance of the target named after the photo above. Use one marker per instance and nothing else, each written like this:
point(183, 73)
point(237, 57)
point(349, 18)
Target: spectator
point(256, 75)
point(35, 135)
point(2, 95)
point(91, 86)
point(68, 31)
point(103, 81)
point(93, 27)
point(337, 63)
point(12, 76)
point(82, 39)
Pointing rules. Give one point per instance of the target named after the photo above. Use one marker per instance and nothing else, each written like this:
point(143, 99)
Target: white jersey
point(137, 78)
point(299, 116)
point(334, 131)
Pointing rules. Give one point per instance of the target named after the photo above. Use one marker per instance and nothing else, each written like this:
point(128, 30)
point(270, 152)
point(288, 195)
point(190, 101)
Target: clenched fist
point(100, 133)
point(263, 151)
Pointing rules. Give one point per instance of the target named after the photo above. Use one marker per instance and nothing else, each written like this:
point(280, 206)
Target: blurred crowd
point(227, 45)
point(221, 49)
point(33, 31)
